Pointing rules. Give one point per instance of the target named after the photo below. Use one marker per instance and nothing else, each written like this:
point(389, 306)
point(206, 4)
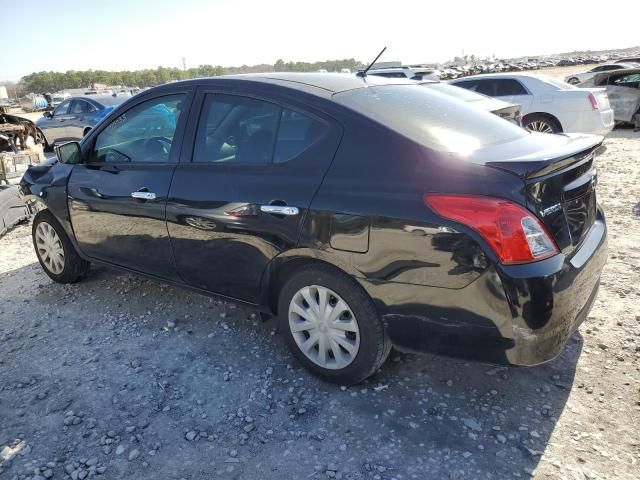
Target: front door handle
point(279, 209)
point(143, 195)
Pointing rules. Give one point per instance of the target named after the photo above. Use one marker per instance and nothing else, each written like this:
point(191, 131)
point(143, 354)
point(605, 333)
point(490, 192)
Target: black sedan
point(74, 117)
point(363, 212)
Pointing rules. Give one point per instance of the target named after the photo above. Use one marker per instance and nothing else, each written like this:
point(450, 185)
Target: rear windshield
point(430, 118)
point(559, 84)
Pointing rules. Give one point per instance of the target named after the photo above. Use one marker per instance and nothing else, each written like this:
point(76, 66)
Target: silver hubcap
point(324, 327)
point(540, 126)
point(49, 248)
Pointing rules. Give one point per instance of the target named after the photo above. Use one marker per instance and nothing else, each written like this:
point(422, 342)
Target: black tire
point(45, 145)
point(537, 122)
point(573, 81)
point(374, 343)
point(75, 268)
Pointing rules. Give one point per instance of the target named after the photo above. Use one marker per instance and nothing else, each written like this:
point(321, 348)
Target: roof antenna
point(363, 73)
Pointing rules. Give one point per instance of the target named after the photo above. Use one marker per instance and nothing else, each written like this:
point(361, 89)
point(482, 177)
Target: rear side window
point(297, 132)
point(430, 118)
point(506, 87)
point(242, 130)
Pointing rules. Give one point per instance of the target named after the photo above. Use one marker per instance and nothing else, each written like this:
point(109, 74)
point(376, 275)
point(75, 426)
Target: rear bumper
point(596, 122)
point(517, 315)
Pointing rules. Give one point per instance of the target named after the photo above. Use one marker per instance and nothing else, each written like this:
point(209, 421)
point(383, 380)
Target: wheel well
point(545, 115)
point(280, 275)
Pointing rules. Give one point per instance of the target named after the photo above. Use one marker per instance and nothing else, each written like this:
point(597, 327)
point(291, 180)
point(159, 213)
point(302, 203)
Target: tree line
point(41, 82)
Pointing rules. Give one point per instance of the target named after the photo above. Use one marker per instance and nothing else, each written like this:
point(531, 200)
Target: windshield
point(456, 92)
point(430, 118)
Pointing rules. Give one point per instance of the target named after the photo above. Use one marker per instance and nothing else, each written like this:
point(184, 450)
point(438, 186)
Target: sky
point(129, 35)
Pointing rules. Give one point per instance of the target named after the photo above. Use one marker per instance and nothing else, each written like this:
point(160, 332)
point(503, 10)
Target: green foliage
point(41, 82)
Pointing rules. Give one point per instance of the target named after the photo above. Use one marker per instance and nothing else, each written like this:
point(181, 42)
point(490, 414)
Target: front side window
point(62, 109)
point(142, 134)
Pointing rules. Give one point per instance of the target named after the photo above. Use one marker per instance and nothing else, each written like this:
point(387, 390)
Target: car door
point(77, 118)
point(240, 194)
point(55, 128)
point(117, 196)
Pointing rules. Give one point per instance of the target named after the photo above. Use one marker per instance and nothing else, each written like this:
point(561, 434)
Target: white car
point(547, 105)
point(576, 78)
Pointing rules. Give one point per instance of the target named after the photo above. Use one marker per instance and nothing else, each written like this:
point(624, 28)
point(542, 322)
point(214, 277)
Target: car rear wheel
point(541, 124)
point(573, 81)
point(56, 254)
point(331, 325)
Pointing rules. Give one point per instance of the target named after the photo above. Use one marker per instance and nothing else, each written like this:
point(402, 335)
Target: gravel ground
point(122, 377)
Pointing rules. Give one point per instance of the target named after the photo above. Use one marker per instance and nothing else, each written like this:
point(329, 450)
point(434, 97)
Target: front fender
point(44, 186)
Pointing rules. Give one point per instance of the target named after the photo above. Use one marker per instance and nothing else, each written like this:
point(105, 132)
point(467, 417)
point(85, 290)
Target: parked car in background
point(628, 60)
point(463, 234)
point(623, 89)
point(508, 111)
point(547, 105)
point(74, 117)
point(411, 73)
point(576, 78)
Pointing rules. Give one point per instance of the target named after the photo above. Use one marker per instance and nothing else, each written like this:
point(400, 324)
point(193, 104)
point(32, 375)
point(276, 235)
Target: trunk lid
point(560, 183)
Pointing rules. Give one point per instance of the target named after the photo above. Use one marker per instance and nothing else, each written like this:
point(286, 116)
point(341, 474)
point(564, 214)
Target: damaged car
point(14, 132)
point(623, 89)
point(301, 195)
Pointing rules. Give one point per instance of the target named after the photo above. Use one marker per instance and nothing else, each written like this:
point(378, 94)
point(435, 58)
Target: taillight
point(593, 101)
point(513, 233)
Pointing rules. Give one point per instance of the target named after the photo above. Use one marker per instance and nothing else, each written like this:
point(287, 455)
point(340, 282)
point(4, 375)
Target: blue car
point(73, 118)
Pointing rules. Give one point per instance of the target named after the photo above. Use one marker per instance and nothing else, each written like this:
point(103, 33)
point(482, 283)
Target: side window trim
point(88, 143)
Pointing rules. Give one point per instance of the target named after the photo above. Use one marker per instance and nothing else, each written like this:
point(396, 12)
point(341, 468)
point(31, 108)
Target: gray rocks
point(133, 454)
point(472, 423)
point(190, 436)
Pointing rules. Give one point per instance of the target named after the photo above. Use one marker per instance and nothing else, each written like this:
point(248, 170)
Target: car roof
point(323, 84)
point(622, 72)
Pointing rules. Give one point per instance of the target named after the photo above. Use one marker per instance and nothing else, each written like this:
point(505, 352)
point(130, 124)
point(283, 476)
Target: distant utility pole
point(184, 64)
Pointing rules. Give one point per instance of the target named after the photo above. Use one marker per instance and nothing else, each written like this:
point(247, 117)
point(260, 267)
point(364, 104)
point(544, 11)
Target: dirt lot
point(121, 377)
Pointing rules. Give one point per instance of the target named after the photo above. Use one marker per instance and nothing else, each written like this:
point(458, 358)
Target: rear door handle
point(279, 209)
point(143, 195)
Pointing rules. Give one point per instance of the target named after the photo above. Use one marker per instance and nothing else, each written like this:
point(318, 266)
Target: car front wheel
point(56, 254)
point(331, 325)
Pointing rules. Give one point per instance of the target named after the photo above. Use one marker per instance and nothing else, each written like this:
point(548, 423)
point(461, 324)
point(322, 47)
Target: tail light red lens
point(514, 234)
point(593, 101)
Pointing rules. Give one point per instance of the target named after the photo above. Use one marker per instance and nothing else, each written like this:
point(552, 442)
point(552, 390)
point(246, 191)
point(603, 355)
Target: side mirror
point(69, 153)
point(47, 114)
